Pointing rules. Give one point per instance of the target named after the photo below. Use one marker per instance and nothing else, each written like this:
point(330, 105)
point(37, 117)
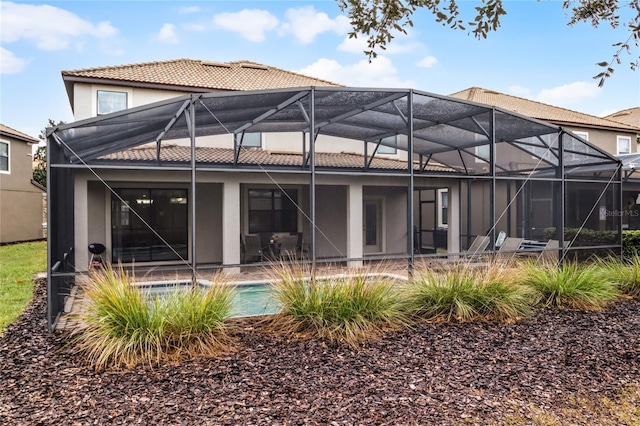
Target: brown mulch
point(479, 373)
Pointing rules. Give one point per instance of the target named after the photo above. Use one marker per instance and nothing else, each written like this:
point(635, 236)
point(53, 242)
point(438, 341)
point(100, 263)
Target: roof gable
point(13, 133)
point(539, 110)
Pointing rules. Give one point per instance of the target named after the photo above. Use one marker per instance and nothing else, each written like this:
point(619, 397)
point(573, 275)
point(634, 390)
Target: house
point(20, 197)
point(360, 173)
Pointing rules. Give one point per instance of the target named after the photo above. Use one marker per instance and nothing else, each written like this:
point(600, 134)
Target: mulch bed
point(479, 373)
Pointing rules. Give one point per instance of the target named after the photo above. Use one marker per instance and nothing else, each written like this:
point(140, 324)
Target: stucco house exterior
point(20, 197)
point(172, 164)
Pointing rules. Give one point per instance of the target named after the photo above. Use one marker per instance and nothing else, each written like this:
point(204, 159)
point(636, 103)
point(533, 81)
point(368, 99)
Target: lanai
point(467, 147)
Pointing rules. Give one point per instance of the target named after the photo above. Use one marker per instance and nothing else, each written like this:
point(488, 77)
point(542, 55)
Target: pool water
point(249, 299)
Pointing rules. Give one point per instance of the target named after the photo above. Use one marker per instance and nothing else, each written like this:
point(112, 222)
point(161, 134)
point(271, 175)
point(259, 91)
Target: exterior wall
point(606, 139)
point(331, 217)
point(85, 98)
point(20, 200)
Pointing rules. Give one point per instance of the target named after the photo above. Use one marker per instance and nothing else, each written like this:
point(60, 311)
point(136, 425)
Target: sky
point(534, 54)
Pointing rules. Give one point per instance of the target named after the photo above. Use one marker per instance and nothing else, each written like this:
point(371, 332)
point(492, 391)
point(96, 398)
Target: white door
point(372, 226)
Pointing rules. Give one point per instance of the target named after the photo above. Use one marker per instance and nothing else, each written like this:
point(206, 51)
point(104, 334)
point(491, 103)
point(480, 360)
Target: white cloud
point(194, 27)
point(521, 91)
point(49, 27)
point(568, 94)
point(354, 44)
point(188, 9)
point(250, 23)
point(427, 62)
point(9, 63)
point(380, 72)
point(305, 23)
point(168, 34)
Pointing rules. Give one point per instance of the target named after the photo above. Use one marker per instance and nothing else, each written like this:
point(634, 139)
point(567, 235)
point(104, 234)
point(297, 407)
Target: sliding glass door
point(164, 211)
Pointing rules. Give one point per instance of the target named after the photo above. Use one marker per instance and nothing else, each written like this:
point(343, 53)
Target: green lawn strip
point(18, 264)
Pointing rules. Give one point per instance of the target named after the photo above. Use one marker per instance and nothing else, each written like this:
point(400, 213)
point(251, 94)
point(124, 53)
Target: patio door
point(372, 226)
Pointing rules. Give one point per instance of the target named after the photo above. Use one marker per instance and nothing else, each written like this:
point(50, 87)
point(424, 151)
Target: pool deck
point(76, 302)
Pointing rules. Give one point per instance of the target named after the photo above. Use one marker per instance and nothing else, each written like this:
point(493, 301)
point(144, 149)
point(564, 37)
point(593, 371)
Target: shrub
point(121, 327)
point(625, 274)
point(350, 308)
point(467, 293)
point(571, 285)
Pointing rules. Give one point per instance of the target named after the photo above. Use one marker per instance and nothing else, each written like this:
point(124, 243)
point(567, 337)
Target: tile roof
point(256, 156)
point(629, 116)
point(538, 110)
point(192, 74)
point(9, 132)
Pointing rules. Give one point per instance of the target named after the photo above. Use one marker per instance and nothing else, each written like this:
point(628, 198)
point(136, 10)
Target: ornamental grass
point(466, 292)
point(571, 285)
point(122, 326)
point(351, 308)
point(625, 274)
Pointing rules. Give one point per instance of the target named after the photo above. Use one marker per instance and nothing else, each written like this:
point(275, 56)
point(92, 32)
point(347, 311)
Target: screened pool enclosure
point(354, 174)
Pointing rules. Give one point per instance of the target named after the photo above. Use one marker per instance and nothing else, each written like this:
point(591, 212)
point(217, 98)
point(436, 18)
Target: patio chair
point(478, 246)
point(252, 248)
point(288, 246)
point(509, 248)
point(550, 252)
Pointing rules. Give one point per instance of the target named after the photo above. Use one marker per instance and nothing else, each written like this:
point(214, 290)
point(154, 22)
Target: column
point(453, 218)
point(231, 217)
point(354, 224)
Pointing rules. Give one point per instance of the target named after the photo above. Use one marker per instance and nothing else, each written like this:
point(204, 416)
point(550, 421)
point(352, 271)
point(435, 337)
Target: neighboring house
point(360, 173)
point(20, 197)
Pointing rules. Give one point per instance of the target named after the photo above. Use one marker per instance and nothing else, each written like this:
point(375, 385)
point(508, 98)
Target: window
point(575, 145)
point(483, 153)
point(624, 144)
point(164, 210)
point(109, 101)
point(252, 140)
point(273, 210)
point(388, 145)
point(443, 208)
point(4, 157)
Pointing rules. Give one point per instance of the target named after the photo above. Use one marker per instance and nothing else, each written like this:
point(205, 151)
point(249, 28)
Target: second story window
point(4, 157)
point(109, 101)
point(388, 145)
point(624, 144)
point(252, 140)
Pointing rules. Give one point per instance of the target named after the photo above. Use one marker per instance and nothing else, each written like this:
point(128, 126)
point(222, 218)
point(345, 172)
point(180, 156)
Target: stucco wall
point(20, 200)
point(606, 139)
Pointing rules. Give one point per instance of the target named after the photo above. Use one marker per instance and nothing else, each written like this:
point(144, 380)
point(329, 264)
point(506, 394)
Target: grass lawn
point(18, 264)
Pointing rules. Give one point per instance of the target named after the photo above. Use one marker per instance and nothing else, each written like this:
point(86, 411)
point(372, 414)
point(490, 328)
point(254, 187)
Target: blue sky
point(534, 54)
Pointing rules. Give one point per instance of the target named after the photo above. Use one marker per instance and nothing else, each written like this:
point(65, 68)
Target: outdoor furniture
point(288, 246)
point(251, 248)
point(509, 248)
point(478, 246)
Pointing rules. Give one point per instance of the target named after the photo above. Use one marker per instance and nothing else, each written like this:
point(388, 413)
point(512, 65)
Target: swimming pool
point(250, 299)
